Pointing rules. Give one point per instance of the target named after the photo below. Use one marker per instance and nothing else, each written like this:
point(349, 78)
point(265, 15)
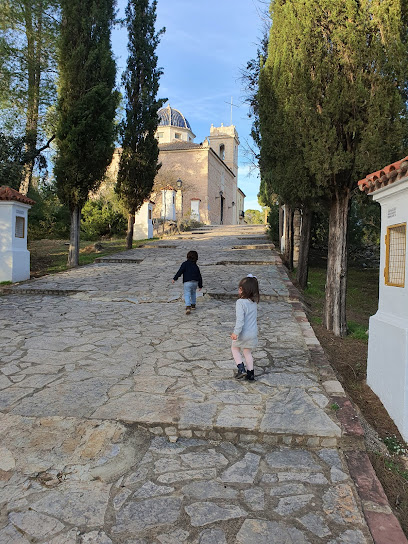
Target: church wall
point(191, 166)
point(221, 179)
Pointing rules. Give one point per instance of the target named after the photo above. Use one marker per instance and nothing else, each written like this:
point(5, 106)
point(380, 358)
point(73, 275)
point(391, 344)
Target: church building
point(197, 181)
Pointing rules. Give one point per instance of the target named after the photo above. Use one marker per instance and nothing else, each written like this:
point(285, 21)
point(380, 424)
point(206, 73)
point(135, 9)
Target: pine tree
point(86, 107)
point(139, 157)
point(334, 91)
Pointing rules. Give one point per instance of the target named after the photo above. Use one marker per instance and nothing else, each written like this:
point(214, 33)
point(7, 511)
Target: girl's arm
point(239, 322)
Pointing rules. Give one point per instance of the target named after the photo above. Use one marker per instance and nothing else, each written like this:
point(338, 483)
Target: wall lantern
point(179, 183)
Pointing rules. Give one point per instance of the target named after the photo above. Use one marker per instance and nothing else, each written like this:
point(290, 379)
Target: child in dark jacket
point(191, 280)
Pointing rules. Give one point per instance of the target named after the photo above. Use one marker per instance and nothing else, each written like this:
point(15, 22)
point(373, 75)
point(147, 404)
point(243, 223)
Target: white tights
point(236, 352)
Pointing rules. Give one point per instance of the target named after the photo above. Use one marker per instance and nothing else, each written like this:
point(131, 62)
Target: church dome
point(170, 117)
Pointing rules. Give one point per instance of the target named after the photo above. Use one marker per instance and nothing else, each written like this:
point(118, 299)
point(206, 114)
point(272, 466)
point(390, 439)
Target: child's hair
point(250, 289)
point(192, 256)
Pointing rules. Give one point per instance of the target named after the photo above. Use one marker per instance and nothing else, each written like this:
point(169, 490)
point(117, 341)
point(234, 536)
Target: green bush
point(48, 217)
point(100, 218)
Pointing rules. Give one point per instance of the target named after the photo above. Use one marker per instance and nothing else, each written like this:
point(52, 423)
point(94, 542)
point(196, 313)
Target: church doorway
point(222, 211)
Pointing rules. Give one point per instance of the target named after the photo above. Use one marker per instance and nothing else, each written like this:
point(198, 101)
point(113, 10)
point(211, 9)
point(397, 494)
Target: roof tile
point(7, 193)
point(386, 176)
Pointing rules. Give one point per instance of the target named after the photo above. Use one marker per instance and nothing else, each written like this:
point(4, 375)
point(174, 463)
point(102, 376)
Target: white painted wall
point(14, 256)
point(387, 365)
point(195, 210)
point(168, 205)
point(143, 227)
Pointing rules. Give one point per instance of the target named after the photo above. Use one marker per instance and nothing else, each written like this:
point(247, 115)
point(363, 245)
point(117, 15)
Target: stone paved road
point(121, 421)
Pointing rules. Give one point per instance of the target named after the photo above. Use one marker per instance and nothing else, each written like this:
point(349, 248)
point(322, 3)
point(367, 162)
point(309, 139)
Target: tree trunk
point(129, 233)
point(288, 236)
point(296, 226)
point(73, 253)
point(280, 223)
point(334, 312)
point(34, 43)
point(303, 264)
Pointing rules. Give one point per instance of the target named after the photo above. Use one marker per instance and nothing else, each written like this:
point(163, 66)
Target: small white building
point(143, 227)
point(387, 365)
point(14, 255)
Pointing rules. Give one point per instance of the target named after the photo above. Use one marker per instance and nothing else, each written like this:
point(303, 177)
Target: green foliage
point(394, 446)
point(334, 406)
point(101, 218)
point(87, 100)
point(356, 330)
point(273, 222)
point(396, 468)
point(28, 35)
point(364, 222)
point(48, 218)
point(138, 163)
point(254, 217)
point(317, 105)
point(11, 160)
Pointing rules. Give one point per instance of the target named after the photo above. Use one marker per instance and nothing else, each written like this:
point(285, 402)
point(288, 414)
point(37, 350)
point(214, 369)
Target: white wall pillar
point(387, 364)
point(143, 227)
point(14, 256)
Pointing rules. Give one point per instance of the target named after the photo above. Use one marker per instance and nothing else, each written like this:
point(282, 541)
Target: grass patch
point(357, 331)
point(50, 256)
point(6, 282)
point(362, 297)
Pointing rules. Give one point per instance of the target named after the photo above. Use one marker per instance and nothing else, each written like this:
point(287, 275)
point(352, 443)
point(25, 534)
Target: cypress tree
point(335, 78)
point(86, 106)
point(139, 157)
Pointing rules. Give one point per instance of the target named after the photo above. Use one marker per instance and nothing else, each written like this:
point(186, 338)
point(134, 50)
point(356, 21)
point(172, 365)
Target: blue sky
point(202, 53)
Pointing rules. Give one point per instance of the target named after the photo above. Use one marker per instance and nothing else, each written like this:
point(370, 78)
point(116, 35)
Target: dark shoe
point(240, 371)
point(193, 306)
point(250, 375)
point(188, 310)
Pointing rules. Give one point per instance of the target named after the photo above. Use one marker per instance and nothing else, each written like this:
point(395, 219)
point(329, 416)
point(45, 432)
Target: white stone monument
point(143, 227)
point(387, 365)
point(14, 256)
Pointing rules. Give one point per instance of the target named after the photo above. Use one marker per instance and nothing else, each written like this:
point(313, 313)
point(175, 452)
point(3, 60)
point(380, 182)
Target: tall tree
point(87, 104)
point(343, 64)
point(139, 158)
point(28, 35)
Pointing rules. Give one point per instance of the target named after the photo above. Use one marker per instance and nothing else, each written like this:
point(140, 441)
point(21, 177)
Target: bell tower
point(224, 141)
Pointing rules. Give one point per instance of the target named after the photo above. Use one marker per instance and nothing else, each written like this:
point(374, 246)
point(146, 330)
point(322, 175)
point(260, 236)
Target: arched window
point(222, 151)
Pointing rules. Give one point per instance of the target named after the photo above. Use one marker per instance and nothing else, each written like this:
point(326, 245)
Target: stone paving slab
point(121, 421)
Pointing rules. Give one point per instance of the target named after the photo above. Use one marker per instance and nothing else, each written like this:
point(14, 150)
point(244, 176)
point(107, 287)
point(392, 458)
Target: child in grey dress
point(245, 335)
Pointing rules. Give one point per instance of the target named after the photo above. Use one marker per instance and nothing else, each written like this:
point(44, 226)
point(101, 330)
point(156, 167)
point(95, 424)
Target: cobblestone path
point(121, 421)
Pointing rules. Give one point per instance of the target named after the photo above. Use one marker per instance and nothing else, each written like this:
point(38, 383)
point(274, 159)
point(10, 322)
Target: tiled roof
point(171, 117)
point(168, 188)
point(386, 176)
point(7, 193)
point(179, 146)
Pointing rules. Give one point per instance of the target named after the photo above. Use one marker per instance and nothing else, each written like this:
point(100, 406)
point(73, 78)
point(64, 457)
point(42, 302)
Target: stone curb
point(34, 291)
point(383, 525)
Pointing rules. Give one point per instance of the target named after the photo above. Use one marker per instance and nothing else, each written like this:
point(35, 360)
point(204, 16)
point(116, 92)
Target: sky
point(202, 53)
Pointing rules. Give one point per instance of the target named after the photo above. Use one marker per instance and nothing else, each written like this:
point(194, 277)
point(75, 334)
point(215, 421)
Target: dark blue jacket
point(190, 272)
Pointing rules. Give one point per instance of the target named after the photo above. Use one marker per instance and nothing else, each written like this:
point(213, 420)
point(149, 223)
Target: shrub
point(100, 218)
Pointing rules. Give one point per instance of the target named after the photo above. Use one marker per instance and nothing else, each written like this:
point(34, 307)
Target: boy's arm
point(179, 273)
point(200, 279)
